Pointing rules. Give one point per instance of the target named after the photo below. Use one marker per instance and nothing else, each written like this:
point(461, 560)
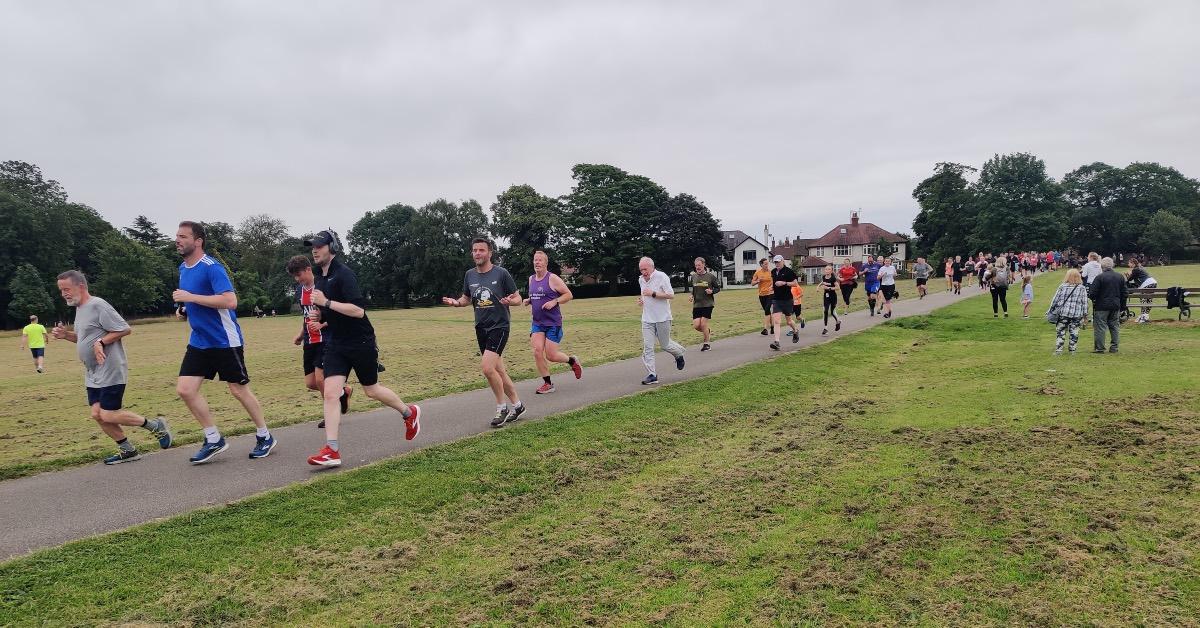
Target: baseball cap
point(323, 238)
point(777, 258)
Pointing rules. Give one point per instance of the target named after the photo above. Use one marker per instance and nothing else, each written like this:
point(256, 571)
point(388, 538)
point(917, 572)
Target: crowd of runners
point(337, 337)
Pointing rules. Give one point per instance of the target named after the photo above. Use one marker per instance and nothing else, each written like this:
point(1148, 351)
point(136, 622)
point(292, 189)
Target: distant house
point(856, 240)
point(811, 269)
point(791, 250)
point(742, 253)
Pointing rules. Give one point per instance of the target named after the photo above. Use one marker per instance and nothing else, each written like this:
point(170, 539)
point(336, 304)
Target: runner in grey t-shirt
point(921, 272)
point(491, 290)
point(98, 332)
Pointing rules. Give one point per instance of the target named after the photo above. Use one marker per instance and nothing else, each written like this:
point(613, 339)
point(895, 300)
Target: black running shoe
point(795, 338)
point(837, 326)
point(321, 424)
point(824, 332)
point(515, 413)
point(499, 419)
point(679, 363)
point(802, 323)
point(344, 400)
point(775, 346)
point(706, 347)
point(764, 333)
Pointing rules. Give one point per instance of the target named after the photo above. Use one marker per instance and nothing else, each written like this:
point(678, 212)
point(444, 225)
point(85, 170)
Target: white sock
point(262, 432)
point(502, 407)
point(212, 434)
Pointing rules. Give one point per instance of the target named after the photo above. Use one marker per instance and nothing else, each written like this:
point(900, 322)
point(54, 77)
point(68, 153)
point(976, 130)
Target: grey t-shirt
point(93, 320)
point(922, 270)
point(485, 290)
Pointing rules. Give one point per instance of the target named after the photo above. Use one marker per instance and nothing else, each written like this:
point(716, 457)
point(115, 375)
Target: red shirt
point(847, 274)
point(306, 306)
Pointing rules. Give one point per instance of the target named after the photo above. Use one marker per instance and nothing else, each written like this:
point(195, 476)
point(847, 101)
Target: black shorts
point(957, 277)
point(224, 362)
point(702, 312)
point(363, 360)
point(493, 340)
point(38, 352)
point(314, 356)
point(765, 302)
point(922, 281)
point(786, 308)
point(109, 397)
point(889, 292)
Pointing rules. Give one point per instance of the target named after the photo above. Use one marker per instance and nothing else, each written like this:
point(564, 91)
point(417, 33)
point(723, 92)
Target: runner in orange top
point(798, 302)
point(762, 279)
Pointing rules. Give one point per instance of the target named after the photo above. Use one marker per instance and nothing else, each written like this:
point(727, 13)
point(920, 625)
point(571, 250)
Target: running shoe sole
point(115, 460)
point(211, 456)
point(547, 391)
point(334, 462)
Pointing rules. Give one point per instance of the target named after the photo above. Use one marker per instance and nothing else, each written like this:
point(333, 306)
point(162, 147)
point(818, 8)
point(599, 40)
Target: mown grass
point(429, 352)
point(940, 469)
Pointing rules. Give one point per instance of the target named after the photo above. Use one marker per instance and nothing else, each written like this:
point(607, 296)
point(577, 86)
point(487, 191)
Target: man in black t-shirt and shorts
point(349, 346)
point(490, 290)
point(312, 332)
point(783, 278)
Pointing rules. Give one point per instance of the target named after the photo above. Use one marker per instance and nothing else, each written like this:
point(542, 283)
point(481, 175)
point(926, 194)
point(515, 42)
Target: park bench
point(1157, 297)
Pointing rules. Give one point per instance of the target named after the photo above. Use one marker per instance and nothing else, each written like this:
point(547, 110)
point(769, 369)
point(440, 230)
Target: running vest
point(539, 293)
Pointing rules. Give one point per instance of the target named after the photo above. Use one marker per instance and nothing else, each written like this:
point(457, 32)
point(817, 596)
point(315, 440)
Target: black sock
point(546, 379)
point(144, 422)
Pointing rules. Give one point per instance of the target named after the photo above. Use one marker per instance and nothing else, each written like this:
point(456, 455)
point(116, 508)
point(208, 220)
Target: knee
point(106, 416)
point(333, 394)
point(185, 392)
point(489, 370)
point(372, 392)
point(96, 415)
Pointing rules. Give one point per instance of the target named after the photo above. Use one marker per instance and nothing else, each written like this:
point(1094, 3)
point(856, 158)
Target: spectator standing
point(1108, 294)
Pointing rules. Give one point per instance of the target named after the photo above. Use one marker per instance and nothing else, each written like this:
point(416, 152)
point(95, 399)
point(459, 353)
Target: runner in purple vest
point(547, 292)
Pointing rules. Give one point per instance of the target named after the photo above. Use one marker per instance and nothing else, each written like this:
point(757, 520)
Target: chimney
point(854, 219)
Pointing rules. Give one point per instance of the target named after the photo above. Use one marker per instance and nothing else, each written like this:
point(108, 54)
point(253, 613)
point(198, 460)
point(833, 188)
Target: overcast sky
point(787, 113)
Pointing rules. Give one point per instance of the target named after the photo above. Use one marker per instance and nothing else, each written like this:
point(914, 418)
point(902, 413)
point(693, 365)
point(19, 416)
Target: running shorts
point(492, 340)
point(109, 397)
point(889, 292)
point(554, 333)
point(702, 312)
point(314, 356)
point(784, 307)
point(872, 287)
point(765, 302)
point(363, 360)
point(38, 352)
point(922, 281)
point(227, 363)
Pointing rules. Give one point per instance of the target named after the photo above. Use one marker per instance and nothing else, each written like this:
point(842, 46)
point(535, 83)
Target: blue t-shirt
point(212, 328)
point(872, 272)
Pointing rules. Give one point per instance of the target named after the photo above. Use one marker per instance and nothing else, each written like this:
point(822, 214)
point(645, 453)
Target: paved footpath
point(54, 508)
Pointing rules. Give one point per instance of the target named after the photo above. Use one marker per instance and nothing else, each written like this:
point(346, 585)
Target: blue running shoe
point(208, 450)
point(650, 379)
point(162, 431)
point(122, 456)
point(263, 447)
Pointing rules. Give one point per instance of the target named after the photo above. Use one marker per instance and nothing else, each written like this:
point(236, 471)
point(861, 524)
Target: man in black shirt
point(782, 280)
point(349, 345)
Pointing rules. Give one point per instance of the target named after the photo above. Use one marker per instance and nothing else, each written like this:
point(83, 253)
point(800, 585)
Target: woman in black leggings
point(999, 278)
point(848, 278)
point(829, 290)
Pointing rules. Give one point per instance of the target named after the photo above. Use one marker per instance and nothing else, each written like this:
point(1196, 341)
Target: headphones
point(335, 242)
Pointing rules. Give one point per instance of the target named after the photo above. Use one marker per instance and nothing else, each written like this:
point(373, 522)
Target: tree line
point(404, 255)
point(1013, 205)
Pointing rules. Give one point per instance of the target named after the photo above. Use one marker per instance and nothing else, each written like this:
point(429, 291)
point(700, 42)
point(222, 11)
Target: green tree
point(130, 275)
point(1092, 192)
point(259, 241)
point(439, 247)
point(29, 295)
point(948, 211)
point(686, 230)
point(251, 291)
point(144, 230)
point(26, 182)
point(1166, 233)
point(380, 241)
point(610, 219)
point(886, 248)
point(528, 221)
point(1020, 207)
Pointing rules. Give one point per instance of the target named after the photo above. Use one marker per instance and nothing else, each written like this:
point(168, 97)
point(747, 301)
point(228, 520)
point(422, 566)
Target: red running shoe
point(412, 425)
point(576, 367)
point(326, 458)
point(545, 389)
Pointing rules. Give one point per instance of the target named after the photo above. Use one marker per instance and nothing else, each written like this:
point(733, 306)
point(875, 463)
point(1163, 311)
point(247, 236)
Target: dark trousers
point(999, 295)
point(1110, 321)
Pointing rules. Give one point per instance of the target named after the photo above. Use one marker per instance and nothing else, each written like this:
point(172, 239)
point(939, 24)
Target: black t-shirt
point(782, 293)
point(339, 284)
point(829, 282)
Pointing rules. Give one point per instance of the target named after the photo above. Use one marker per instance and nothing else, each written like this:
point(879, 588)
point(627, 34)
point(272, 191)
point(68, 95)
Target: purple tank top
point(540, 292)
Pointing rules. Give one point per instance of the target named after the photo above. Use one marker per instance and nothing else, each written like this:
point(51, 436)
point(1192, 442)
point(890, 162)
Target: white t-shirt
point(656, 310)
point(887, 275)
point(1090, 271)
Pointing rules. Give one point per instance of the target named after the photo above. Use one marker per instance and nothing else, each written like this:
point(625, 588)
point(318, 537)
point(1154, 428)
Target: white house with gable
point(742, 253)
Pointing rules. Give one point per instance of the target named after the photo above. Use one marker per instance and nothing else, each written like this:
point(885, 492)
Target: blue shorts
point(553, 333)
point(109, 397)
point(872, 288)
point(38, 352)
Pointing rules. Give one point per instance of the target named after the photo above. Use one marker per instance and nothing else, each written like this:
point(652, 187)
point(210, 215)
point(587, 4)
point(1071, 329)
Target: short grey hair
point(75, 276)
point(1106, 263)
point(646, 259)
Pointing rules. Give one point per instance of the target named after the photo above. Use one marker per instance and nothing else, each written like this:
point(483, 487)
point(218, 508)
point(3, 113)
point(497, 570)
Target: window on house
point(817, 252)
point(870, 249)
point(841, 250)
point(750, 257)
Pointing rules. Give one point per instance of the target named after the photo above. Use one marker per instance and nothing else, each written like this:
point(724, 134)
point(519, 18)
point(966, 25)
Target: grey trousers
point(660, 333)
point(1109, 320)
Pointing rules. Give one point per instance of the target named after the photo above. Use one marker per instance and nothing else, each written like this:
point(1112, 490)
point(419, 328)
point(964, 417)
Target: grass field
point(429, 352)
point(937, 469)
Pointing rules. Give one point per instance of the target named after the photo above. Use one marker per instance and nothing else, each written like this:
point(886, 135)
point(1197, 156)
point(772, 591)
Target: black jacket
point(1108, 291)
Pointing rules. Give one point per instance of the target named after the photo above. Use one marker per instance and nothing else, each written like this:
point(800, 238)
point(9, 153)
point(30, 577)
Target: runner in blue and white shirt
point(870, 275)
point(215, 346)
